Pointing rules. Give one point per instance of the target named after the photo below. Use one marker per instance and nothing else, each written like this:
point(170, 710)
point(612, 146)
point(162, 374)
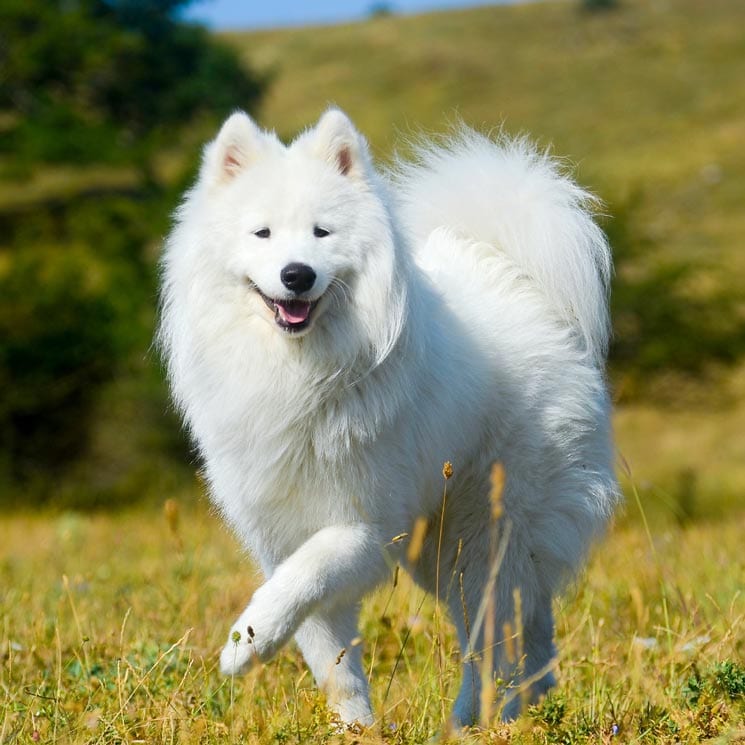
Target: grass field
point(111, 625)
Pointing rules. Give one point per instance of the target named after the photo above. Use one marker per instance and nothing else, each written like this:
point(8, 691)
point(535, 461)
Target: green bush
point(660, 324)
point(108, 81)
point(111, 85)
point(69, 299)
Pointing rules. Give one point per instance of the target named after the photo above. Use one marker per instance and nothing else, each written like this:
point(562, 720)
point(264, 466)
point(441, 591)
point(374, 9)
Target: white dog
point(333, 337)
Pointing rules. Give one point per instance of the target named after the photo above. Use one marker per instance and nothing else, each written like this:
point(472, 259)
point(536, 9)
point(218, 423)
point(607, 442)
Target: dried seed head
point(497, 491)
point(171, 511)
point(251, 634)
point(417, 540)
point(509, 642)
point(341, 655)
point(447, 469)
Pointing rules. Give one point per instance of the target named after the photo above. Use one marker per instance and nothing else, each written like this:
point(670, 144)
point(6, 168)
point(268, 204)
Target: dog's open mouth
point(290, 315)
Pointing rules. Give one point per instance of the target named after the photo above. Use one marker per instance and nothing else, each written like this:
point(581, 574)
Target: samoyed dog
point(334, 335)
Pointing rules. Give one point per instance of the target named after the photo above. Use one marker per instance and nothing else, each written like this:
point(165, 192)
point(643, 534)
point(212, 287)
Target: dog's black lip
point(271, 303)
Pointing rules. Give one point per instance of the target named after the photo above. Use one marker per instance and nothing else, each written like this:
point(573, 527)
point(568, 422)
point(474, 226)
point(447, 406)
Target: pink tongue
point(294, 311)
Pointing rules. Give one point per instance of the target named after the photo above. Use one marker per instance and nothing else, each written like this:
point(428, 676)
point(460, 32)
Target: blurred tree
point(98, 80)
point(661, 325)
point(380, 10)
point(109, 83)
point(597, 5)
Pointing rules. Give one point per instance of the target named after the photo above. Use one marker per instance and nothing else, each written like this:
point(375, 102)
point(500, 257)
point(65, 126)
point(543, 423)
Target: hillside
point(643, 101)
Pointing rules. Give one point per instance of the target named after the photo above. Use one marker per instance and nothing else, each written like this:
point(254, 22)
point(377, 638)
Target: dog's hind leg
point(327, 640)
point(531, 676)
point(519, 651)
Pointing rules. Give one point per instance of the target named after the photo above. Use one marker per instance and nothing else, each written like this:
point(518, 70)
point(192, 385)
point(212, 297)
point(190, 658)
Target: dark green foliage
point(553, 710)
point(380, 10)
point(660, 324)
point(95, 81)
point(729, 677)
point(726, 678)
point(71, 301)
point(599, 5)
point(56, 347)
point(92, 83)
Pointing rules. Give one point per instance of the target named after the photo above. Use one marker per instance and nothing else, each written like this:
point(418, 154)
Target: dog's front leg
point(338, 564)
point(327, 641)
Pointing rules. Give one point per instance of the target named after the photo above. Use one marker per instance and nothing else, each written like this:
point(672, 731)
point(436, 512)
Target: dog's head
point(303, 230)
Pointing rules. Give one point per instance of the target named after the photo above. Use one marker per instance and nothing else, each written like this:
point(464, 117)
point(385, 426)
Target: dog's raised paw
point(239, 653)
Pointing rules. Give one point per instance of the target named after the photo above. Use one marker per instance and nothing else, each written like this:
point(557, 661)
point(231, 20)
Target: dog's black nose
point(297, 277)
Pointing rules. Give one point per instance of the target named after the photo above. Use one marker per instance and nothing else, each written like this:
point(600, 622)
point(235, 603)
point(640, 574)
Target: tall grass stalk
point(661, 578)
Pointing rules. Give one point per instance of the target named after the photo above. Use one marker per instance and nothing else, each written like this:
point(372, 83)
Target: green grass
point(110, 627)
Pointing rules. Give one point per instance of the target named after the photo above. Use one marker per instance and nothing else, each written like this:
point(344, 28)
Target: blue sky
point(245, 14)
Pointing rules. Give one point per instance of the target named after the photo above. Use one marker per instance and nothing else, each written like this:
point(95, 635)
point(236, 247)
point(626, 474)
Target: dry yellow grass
point(111, 626)
point(693, 451)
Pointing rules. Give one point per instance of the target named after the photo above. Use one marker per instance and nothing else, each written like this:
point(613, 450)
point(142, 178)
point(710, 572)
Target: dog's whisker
point(340, 291)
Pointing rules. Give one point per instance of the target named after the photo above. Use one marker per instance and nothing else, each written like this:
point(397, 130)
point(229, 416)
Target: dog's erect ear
point(337, 140)
point(238, 143)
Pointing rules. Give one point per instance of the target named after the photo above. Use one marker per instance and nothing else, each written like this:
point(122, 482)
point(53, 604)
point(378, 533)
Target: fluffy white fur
point(461, 316)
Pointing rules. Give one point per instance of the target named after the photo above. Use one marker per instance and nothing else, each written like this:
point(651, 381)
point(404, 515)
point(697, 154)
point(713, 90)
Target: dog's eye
point(263, 233)
point(320, 232)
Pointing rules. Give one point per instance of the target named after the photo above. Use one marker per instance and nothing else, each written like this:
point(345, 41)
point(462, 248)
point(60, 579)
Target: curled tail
point(506, 193)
